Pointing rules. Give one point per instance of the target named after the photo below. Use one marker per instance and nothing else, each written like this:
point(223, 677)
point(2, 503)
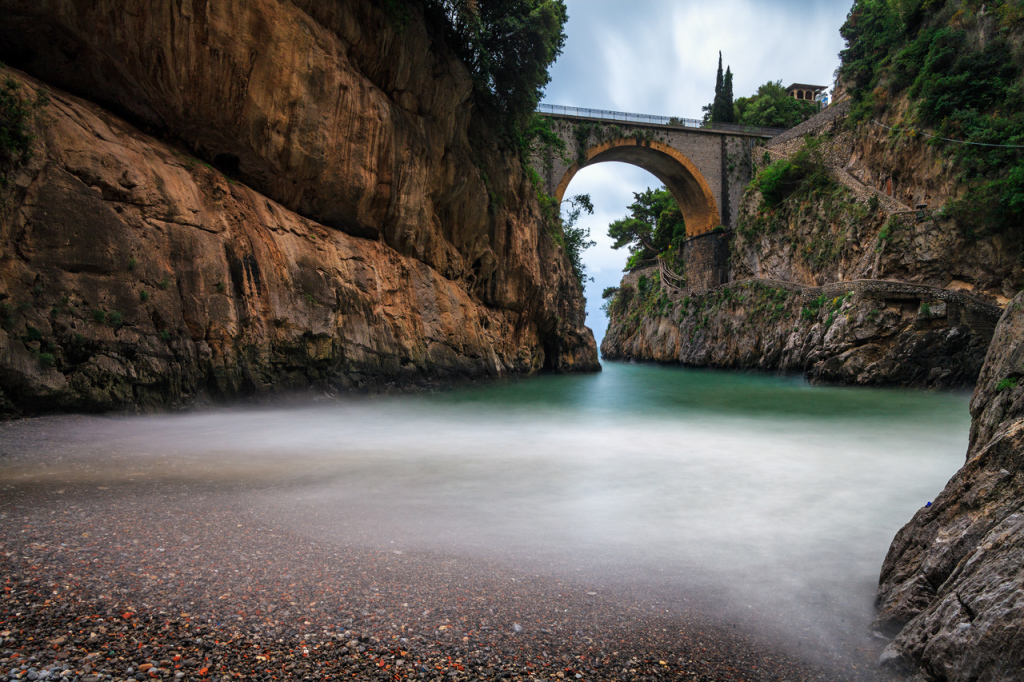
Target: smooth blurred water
point(767, 498)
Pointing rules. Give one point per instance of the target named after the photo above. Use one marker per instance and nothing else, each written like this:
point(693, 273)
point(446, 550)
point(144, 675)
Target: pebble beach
point(194, 582)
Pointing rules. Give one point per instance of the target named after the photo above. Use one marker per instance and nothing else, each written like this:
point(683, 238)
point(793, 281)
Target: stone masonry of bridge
point(705, 169)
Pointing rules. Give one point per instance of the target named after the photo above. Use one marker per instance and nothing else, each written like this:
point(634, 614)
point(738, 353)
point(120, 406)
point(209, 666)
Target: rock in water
point(952, 585)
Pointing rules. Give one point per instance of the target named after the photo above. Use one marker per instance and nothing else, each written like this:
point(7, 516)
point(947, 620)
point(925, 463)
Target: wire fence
point(650, 119)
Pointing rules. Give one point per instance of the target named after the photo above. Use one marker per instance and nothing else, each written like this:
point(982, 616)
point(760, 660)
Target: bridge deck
point(653, 120)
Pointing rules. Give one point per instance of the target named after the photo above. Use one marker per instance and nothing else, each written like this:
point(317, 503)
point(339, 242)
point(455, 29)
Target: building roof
point(805, 86)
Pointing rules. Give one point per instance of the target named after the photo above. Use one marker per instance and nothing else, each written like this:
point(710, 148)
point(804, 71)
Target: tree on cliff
point(508, 45)
point(771, 107)
point(720, 110)
point(654, 225)
point(576, 240)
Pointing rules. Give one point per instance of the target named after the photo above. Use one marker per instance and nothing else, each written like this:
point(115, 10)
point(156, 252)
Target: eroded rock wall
point(866, 333)
point(848, 231)
point(952, 585)
point(314, 212)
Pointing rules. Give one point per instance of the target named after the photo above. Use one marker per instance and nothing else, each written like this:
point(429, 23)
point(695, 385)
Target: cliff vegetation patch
point(959, 64)
point(508, 47)
point(15, 133)
point(798, 200)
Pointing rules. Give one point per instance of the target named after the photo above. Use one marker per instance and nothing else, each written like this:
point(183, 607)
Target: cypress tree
point(728, 115)
point(719, 82)
point(720, 110)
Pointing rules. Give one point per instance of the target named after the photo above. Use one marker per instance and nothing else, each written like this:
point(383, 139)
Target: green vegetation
point(15, 137)
point(813, 309)
point(99, 316)
point(538, 136)
point(803, 203)
point(925, 310)
point(47, 359)
point(220, 287)
point(771, 107)
point(654, 226)
point(721, 108)
point(115, 320)
point(576, 240)
point(508, 46)
point(1007, 384)
point(164, 283)
point(165, 335)
point(143, 296)
point(959, 64)
point(131, 264)
point(804, 173)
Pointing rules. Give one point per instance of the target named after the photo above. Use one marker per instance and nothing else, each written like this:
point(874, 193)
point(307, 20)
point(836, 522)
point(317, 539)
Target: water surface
point(768, 501)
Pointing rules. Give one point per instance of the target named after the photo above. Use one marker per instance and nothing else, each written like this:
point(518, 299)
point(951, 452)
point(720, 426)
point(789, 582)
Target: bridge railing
point(651, 119)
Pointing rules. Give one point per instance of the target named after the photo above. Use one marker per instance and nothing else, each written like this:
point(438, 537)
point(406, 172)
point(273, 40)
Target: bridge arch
point(679, 175)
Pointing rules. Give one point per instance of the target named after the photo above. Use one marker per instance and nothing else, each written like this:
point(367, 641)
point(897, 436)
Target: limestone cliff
point(302, 195)
point(881, 215)
point(874, 333)
point(952, 585)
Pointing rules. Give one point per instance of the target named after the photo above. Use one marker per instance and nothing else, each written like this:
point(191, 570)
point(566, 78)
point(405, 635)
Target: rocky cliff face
point(881, 217)
point(952, 585)
point(866, 333)
point(312, 201)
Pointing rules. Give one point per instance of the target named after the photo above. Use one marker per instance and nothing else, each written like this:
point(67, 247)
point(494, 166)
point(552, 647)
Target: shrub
point(15, 138)
point(143, 295)
point(801, 174)
point(99, 316)
point(1007, 384)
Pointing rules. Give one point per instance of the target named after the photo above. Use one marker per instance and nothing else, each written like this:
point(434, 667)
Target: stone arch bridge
point(705, 167)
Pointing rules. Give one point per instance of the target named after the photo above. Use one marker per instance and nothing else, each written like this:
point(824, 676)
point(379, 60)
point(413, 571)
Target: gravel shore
point(196, 582)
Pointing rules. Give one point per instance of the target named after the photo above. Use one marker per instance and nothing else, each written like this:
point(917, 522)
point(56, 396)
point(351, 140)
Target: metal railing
point(651, 119)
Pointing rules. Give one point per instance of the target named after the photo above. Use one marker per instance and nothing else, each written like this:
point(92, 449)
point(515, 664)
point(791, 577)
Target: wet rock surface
point(952, 586)
point(195, 582)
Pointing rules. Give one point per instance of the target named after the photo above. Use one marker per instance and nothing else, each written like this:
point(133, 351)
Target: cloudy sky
point(660, 57)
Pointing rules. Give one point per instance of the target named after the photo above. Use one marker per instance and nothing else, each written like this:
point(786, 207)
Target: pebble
point(233, 596)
